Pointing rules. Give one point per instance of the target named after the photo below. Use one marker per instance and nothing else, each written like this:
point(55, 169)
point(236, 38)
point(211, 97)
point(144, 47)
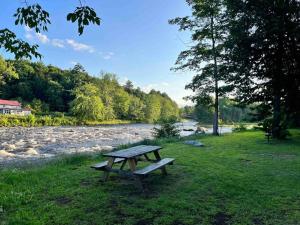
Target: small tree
point(87, 105)
point(167, 129)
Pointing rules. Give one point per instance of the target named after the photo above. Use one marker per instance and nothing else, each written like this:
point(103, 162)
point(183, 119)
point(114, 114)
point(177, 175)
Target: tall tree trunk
point(216, 114)
point(216, 105)
point(278, 84)
point(276, 116)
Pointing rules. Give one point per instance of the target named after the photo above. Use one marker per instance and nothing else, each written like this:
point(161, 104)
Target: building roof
point(8, 102)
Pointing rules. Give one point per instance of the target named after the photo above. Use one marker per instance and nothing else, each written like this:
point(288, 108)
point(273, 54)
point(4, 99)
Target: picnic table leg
point(109, 166)
point(157, 156)
point(132, 165)
point(123, 164)
point(146, 157)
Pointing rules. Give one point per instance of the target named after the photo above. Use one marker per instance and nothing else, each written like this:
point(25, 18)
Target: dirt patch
point(221, 219)
point(63, 200)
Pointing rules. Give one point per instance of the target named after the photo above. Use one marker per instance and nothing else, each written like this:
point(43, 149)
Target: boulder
point(31, 151)
point(194, 143)
point(4, 153)
point(201, 130)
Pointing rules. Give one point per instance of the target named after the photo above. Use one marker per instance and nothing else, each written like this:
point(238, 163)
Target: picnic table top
point(133, 152)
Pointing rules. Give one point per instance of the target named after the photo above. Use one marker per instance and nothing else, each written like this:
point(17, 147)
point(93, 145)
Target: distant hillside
point(48, 89)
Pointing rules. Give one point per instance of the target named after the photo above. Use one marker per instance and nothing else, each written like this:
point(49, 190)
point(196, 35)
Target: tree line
point(229, 112)
point(48, 89)
point(249, 50)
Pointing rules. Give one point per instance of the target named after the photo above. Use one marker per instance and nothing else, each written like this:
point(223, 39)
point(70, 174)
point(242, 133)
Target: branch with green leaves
point(38, 19)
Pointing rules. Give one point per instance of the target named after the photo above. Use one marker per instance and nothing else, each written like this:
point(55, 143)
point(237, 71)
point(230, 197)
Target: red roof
point(8, 102)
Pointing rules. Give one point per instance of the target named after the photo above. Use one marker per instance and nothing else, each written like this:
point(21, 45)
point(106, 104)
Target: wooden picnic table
point(132, 156)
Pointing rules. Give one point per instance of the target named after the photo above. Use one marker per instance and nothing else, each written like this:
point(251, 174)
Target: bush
point(167, 129)
point(282, 132)
point(239, 128)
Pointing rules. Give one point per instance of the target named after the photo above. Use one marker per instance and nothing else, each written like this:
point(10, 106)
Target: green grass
point(235, 179)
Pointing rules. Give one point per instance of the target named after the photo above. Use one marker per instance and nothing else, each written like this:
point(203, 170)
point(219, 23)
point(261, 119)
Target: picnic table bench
point(132, 156)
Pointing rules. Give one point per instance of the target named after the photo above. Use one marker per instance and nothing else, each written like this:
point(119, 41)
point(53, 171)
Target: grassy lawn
point(235, 179)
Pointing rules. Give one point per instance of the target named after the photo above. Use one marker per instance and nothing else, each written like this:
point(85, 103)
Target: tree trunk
point(276, 116)
point(216, 105)
point(216, 114)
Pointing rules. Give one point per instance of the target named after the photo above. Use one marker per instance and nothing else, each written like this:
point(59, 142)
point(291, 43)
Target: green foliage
point(34, 16)
point(7, 71)
point(167, 129)
point(136, 109)
point(84, 15)
point(152, 110)
point(48, 89)
point(21, 49)
point(263, 57)
point(267, 126)
point(87, 105)
point(33, 121)
point(239, 128)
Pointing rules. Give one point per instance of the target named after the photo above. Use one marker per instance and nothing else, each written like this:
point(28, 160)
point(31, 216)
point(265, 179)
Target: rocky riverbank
point(18, 143)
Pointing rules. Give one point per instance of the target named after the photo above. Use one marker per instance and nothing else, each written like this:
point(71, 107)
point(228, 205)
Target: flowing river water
point(19, 144)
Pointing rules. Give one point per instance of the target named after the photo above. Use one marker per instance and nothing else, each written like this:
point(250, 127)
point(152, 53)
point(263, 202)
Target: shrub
point(282, 131)
point(167, 129)
point(239, 128)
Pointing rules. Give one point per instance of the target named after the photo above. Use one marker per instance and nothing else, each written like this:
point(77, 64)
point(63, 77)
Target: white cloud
point(28, 36)
point(42, 38)
point(108, 55)
point(80, 46)
point(73, 63)
point(58, 43)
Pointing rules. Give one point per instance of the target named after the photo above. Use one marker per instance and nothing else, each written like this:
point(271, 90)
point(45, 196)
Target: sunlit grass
point(235, 179)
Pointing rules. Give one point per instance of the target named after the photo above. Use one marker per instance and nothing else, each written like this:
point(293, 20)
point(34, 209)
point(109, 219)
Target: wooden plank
point(158, 158)
point(133, 152)
point(154, 166)
point(102, 165)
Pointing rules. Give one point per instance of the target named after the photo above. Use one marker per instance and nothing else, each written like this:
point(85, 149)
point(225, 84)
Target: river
point(18, 144)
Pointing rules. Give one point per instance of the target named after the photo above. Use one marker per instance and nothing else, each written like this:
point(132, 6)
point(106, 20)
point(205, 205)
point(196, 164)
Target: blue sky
point(134, 40)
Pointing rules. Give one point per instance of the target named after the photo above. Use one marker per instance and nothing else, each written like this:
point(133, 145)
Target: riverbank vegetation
point(51, 90)
point(235, 179)
point(53, 120)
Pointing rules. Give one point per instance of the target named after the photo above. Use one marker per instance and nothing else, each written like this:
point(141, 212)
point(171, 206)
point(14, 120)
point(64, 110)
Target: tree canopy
point(49, 89)
point(264, 52)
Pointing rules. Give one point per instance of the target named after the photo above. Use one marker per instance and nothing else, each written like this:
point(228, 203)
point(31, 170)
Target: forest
point(49, 90)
